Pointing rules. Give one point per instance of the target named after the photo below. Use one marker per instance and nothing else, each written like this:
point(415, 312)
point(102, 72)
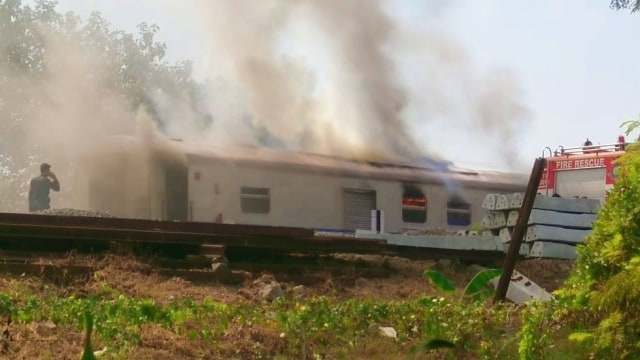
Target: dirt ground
point(402, 279)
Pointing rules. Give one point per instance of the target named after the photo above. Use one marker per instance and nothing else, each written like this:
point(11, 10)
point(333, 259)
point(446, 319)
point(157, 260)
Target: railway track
point(186, 248)
point(68, 268)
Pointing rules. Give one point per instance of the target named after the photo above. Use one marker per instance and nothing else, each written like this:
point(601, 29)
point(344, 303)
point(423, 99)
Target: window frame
point(410, 195)
point(251, 198)
point(409, 210)
point(458, 209)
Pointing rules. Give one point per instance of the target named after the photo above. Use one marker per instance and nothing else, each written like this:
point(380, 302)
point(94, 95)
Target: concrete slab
point(516, 200)
point(466, 233)
point(499, 220)
point(452, 242)
point(567, 220)
point(487, 220)
point(370, 234)
point(512, 218)
point(522, 290)
point(540, 249)
point(571, 205)
point(505, 234)
point(556, 234)
point(489, 202)
point(525, 248)
point(581, 206)
point(555, 218)
point(507, 201)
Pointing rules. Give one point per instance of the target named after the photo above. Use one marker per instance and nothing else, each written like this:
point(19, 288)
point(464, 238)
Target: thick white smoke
point(339, 77)
point(331, 76)
point(71, 113)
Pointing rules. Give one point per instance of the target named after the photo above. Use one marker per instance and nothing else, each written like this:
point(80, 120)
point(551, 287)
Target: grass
point(319, 326)
point(145, 316)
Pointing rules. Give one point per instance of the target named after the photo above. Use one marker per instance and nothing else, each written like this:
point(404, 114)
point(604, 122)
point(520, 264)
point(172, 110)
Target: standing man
point(39, 188)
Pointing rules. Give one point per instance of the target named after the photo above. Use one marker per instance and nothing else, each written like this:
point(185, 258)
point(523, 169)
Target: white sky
point(577, 61)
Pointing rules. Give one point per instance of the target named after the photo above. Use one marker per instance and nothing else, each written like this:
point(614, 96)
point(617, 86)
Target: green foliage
point(626, 4)
point(430, 345)
point(478, 227)
point(319, 325)
point(117, 65)
point(630, 126)
point(580, 336)
point(472, 327)
point(132, 65)
point(14, 185)
point(440, 281)
point(477, 287)
point(87, 353)
point(435, 344)
point(534, 342)
point(599, 306)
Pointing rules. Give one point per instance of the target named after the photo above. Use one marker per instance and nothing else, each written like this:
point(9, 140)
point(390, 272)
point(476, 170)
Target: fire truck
point(588, 171)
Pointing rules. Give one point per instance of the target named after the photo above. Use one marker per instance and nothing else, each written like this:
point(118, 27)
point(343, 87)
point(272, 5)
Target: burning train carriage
point(280, 188)
point(132, 179)
point(266, 187)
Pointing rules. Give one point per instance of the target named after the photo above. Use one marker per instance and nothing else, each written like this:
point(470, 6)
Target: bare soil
point(401, 279)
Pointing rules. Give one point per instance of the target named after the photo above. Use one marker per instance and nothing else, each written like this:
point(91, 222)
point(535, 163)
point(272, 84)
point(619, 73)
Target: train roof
point(427, 171)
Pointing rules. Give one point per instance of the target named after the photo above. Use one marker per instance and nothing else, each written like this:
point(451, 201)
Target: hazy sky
point(576, 62)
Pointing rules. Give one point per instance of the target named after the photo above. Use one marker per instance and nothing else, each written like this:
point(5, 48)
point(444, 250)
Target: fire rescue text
point(581, 163)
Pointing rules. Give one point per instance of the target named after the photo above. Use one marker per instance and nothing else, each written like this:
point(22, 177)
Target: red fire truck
point(587, 171)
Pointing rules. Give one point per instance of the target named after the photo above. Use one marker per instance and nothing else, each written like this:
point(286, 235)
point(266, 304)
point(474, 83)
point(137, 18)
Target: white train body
point(281, 188)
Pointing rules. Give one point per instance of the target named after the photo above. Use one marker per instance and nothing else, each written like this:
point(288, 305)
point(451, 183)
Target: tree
point(599, 306)
point(634, 5)
point(131, 67)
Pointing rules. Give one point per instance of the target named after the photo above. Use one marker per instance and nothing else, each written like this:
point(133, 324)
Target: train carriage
point(282, 188)
point(268, 187)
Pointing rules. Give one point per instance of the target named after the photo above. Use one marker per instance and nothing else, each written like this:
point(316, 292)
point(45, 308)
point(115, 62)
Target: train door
point(357, 205)
point(107, 185)
point(177, 195)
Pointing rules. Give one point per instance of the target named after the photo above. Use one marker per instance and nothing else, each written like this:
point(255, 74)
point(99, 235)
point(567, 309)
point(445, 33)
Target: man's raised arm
point(55, 184)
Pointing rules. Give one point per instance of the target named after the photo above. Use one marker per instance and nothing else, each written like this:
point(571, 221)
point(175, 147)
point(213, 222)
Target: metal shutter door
point(588, 183)
point(357, 208)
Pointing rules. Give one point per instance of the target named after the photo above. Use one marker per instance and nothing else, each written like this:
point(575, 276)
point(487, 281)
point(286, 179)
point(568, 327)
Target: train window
point(255, 200)
point(458, 212)
point(414, 205)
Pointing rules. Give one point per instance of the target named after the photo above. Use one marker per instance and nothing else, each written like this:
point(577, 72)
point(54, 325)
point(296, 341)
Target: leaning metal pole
point(519, 230)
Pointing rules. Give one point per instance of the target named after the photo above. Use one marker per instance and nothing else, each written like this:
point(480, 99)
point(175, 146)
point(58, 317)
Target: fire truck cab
point(587, 171)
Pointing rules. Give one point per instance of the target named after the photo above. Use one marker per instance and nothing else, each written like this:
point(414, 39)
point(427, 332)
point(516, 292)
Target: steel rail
point(153, 225)
point(45, 232)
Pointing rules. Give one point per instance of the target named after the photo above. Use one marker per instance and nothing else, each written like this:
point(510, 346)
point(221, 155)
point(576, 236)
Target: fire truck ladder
point(589, 149)
point(547, 169)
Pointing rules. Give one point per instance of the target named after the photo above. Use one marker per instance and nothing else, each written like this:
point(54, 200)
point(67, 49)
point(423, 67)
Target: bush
point(598, 310)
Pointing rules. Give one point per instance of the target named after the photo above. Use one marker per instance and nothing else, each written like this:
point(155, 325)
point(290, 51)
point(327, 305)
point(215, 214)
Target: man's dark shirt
point(39, 192)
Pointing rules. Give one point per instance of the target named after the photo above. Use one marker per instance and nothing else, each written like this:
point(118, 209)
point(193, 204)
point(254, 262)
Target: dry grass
point(133, 278)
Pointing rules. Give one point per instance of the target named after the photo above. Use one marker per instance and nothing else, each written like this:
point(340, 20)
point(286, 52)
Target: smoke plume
point(66, 117)
point(331, 77)
point(338, 77)
point(368, 96)
point(351, 105)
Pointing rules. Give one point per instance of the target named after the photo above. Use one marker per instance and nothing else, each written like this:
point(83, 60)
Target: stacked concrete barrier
point(555, 226)
point(495, 220)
